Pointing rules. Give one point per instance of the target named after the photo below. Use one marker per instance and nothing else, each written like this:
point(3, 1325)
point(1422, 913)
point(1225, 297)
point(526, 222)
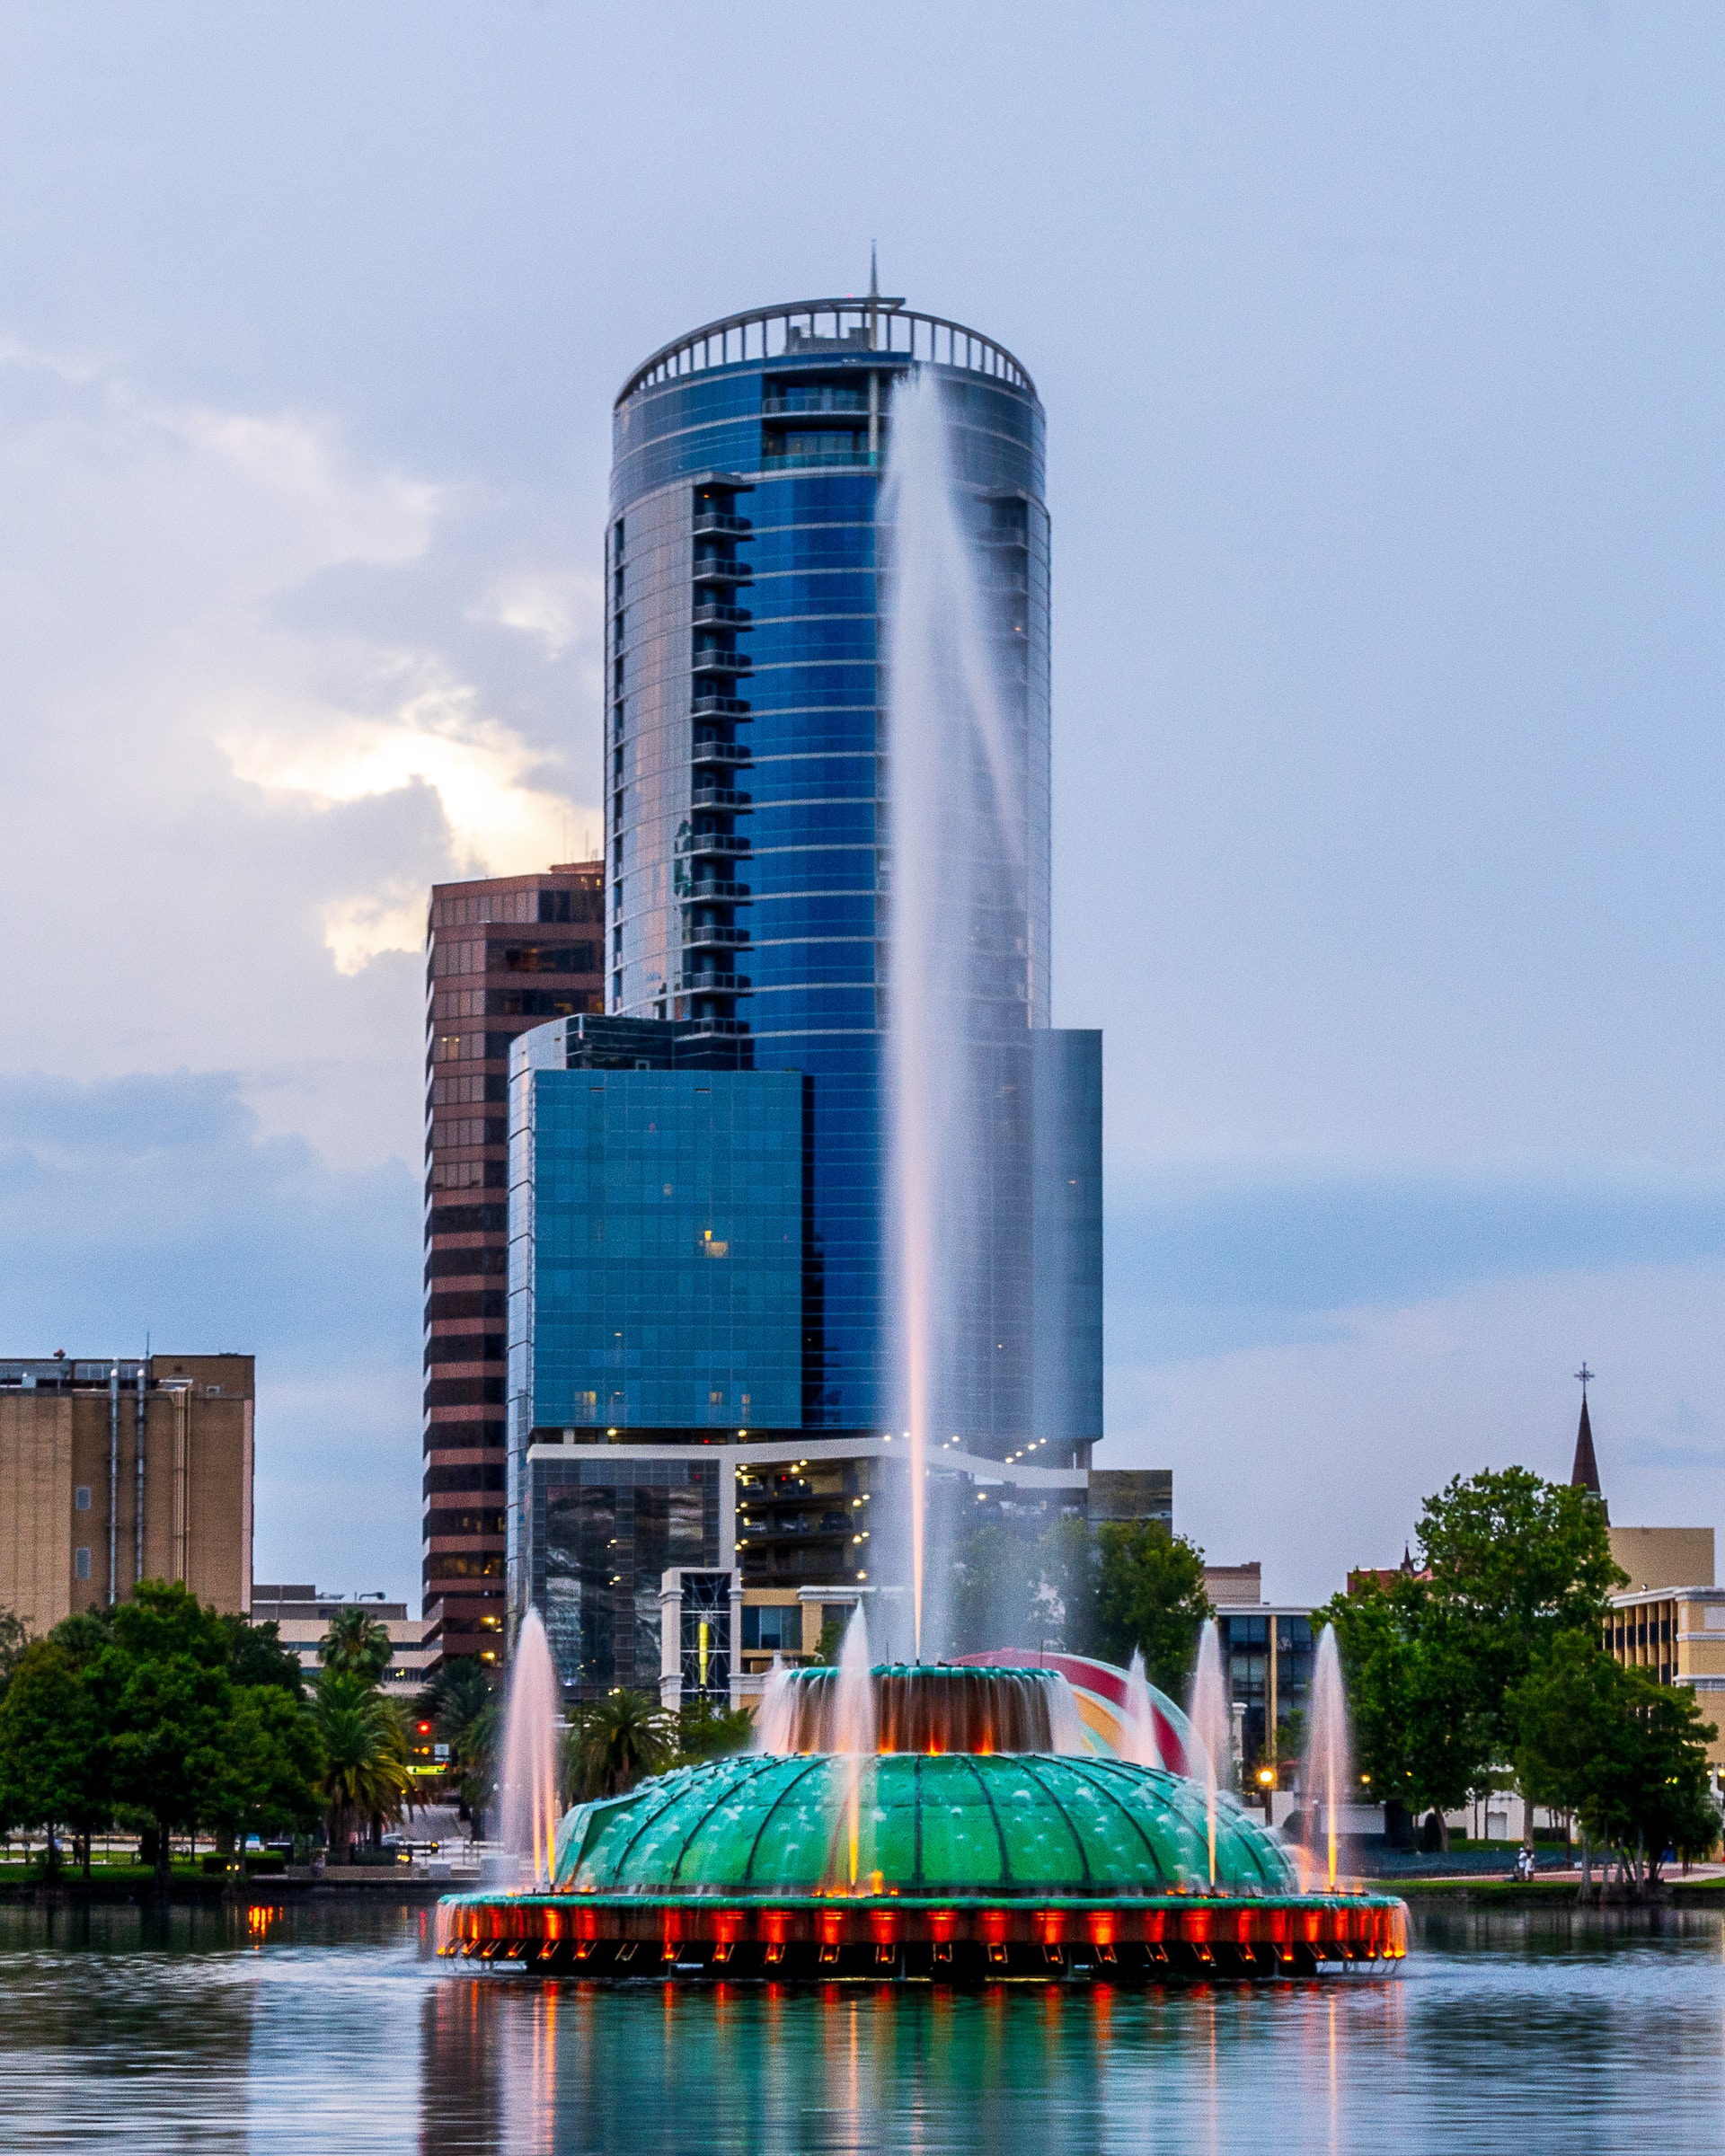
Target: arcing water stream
point(953, 820)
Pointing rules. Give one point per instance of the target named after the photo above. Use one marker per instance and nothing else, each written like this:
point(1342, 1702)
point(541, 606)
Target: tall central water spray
point(955, 830)
point(1329, 1777)
point(1212, 1726)
point(530, 1806)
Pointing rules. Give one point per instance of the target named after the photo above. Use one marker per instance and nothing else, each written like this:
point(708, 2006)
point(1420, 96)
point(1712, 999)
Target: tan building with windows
point(1678, 1635)
point(117, 1471)
point(303, 1616)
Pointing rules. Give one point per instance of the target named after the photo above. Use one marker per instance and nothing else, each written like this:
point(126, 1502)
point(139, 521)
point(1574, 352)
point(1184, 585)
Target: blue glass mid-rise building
point(747, 852)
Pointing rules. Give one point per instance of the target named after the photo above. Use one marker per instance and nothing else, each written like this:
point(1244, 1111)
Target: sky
point(1381, 349)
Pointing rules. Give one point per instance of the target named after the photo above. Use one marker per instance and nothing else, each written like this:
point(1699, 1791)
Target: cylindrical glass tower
point(747, 850)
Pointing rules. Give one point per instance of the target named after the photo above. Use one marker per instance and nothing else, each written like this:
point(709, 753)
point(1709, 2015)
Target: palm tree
point(461, 1701)
point(616, 1741)
point(356, 1644)
point(366, 1778)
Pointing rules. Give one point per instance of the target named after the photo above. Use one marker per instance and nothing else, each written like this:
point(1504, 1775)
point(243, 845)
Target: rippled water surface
point(331, 2032)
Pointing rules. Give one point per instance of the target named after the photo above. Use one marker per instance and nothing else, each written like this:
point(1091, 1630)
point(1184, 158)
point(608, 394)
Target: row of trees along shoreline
point(1481, 1664)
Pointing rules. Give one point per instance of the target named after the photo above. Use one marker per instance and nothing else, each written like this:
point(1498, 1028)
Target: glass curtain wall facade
point(748, 858)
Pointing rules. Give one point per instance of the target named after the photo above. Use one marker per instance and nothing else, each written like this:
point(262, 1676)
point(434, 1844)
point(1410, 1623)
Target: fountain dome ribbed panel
point(945, 1824)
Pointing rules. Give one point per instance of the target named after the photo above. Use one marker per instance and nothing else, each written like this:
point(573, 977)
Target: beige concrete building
point(1677, 1634)
point(1664, 1556)
point(302, 1616)
point(117, 1471)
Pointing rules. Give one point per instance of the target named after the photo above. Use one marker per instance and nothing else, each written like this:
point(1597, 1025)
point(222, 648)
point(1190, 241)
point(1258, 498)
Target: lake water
point(330, 2031)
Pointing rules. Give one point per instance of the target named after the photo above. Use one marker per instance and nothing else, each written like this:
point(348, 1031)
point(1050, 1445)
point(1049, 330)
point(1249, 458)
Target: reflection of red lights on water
point(260, 1919)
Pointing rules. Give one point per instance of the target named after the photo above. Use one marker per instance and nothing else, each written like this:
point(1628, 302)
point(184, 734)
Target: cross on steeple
point(1585, 1473)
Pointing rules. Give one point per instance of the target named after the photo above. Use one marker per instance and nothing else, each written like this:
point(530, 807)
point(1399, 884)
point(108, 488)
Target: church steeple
point(1585, 1473)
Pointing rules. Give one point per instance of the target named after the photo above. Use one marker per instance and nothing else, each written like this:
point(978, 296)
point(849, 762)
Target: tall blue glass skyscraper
point(747, 852)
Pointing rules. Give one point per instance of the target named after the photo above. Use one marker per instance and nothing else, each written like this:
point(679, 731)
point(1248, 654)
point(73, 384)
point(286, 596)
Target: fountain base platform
point(898, 1938)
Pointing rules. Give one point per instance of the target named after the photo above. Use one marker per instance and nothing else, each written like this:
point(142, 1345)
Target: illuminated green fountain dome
point(1003, 1825)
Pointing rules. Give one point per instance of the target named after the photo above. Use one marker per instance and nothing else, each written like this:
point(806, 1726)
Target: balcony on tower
point(711, 845)
point(721, 658)
point(733, 753)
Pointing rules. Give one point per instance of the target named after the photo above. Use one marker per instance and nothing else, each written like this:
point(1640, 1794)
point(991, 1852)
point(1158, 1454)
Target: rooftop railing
point(845, 328)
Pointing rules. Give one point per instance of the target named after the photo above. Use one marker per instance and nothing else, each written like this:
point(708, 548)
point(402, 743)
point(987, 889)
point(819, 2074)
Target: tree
point(255, 1655)
point(704, 1731)
point(53, 1761)
point(366, 1780)
point(356, 1645)
point(1149, 1598)
point(1514, 1562)
point(14, 1638)
point(616, 1741)
point(993, 1578)
point(461, 1704)
point(163, 1693)
point(275, 1765)
point(1627, 1754)
point(1418, 1730)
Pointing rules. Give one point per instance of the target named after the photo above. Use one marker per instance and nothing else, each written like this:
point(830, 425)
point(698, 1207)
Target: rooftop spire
point(1585, 1473)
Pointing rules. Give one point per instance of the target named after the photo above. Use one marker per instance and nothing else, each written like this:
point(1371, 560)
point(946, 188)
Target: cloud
point(560, 608)
point(259, 691)
point(156, 1206)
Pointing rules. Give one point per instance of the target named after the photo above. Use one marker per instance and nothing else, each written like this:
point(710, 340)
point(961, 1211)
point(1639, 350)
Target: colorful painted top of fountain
point(950, 1824)
point(928, 1708)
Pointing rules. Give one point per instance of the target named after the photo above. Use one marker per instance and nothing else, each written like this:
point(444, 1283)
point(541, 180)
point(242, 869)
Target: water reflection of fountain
point(1211, 1725)
point(957, 868)
point(529, 1785)
point(1139, 1723)
point(1327, 1773)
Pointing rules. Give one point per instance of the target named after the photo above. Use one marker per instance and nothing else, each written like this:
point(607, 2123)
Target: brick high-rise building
point(502, 955)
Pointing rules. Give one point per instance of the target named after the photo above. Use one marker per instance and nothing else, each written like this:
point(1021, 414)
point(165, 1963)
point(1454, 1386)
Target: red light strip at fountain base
point(877, 1938)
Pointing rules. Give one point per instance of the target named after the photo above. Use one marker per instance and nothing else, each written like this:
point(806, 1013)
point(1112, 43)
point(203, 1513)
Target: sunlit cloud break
point(500, 815)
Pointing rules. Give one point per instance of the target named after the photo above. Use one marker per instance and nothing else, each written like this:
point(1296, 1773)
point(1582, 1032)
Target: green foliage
point(163, 1697)
point(1514, 1562)
point(704, 1731)
point(255, 1655)
point(615, 1742)
point(1129, 1585)
point(365, 1782)
point(53, 1764)
point(160, 1708)
point(461, 1703)
point(14, 1638)
point(1149, 1598)
point(832, 1637)
point(1624, 1753)
point(274, 1763)
point(1420, 1730)
point(356, 1645)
